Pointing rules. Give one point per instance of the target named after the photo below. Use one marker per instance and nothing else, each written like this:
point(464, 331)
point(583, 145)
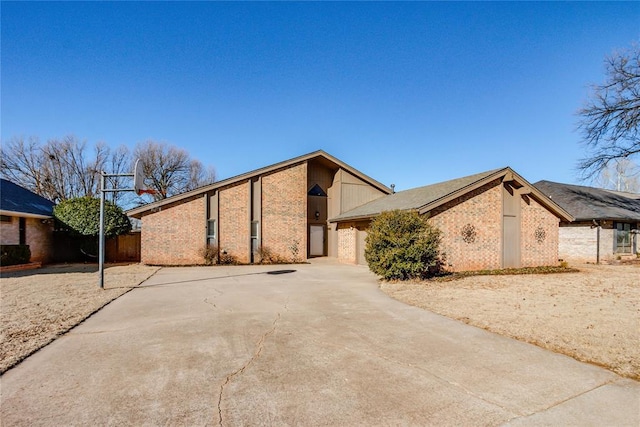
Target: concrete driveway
point(319, 346)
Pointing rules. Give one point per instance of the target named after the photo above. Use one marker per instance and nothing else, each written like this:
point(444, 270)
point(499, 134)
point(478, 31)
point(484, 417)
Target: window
point(5, 218)
point(623, 238)
point(211, 232)
point(255, 226)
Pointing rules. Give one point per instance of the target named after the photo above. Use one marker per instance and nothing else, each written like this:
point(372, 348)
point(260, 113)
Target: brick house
point(491, 220)
point(283, 208)
point(605, 226)
point(26, 219)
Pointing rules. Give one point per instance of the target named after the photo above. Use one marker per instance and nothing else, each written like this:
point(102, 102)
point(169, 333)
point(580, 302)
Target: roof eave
point(463, 190)
point(140, 211)
point(24, 214)
point(510, 174)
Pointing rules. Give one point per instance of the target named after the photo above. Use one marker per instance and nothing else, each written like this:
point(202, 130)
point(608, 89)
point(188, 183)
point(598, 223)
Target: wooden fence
point(125, 248)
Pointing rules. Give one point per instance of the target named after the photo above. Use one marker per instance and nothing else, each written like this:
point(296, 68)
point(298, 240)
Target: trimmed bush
point(82, 216)
point(402, 245)
point(14, 254)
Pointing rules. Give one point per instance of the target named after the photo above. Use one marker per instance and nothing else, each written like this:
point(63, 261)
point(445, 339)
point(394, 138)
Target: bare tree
point(620, 175)
point(119, 162)
point(170, 170)
point(611, 117)
point(61, 169)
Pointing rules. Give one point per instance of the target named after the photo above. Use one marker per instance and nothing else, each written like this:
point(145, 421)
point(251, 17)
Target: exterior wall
point(284, 211)
point(578, 242)
point(321, 175)
point(471, 228)
point(9, 232)
point(346, 192)
point(234, 238)
point(539, 234)
point(174, 235)
point(39, 237)
point(347, 240)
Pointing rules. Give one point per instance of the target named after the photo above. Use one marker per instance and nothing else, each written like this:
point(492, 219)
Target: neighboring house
point(491, 220)
point(282, 208)
point(26, 219)
point(604, 223)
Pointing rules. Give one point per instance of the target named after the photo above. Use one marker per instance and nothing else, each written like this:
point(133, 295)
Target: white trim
point(24, 214)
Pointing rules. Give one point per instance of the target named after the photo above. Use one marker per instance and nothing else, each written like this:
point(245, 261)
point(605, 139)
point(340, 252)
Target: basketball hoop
point(138, 180)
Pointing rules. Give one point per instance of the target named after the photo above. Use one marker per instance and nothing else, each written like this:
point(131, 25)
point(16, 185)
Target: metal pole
point(101, 235)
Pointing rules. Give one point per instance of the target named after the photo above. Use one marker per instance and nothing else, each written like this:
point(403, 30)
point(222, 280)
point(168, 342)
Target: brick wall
point(578, 242)
point(10, 232)
point(234, 221)
point(471, 228)
point(39, 237)
point(347, 238)
point(538, 234)
point(284, 211)
point(174, 235)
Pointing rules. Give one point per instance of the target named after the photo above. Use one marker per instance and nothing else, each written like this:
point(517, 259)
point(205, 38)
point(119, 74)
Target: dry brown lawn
point(36, 306)
point(592, 315)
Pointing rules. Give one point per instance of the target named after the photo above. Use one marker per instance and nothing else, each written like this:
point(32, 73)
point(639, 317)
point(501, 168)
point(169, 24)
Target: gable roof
point(18, 201)
point(424, 199)
point(588, 203)
point(319, 154)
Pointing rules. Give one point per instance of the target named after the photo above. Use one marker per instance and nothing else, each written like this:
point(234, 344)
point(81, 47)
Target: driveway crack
point(258, 349)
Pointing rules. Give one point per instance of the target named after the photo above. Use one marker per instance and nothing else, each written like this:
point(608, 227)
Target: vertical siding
point(511, 227)
point(346, 192)
point(355, 192)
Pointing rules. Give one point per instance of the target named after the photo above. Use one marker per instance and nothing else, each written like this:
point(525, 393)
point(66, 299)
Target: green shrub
point(14, 254)
point(82, 216)
point(402, 245)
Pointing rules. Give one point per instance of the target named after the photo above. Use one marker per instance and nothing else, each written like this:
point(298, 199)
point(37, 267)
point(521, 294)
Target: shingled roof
point(588, 203)
point(139, 212)
point(429, 197)
point(18, 201)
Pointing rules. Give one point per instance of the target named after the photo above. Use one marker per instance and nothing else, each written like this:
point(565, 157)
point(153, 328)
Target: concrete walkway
point(318, 346)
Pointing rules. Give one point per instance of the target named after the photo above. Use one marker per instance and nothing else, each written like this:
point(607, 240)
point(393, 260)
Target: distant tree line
point(68, 168)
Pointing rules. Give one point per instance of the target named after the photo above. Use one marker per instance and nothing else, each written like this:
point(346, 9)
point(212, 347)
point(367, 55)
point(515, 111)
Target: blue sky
point(408, 93)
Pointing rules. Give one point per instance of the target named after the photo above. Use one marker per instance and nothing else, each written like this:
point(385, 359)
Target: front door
point(316, 240)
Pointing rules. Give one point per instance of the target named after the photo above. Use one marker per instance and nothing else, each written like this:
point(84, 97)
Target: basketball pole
point(101, 238)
